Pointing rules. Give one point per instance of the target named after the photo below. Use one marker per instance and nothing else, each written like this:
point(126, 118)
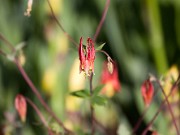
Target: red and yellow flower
point(87, 57)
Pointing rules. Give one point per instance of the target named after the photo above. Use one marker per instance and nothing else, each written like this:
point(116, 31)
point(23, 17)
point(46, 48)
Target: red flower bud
point(87, 57)
point(21, 107)
point(147, 91)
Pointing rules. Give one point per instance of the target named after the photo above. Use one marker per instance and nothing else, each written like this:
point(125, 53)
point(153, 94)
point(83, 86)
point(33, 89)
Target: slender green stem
point(91, 106)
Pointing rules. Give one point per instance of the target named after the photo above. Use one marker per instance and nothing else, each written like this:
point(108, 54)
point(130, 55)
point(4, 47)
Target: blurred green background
point(142, 36)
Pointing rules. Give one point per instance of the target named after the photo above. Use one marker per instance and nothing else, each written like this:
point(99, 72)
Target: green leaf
point(97, 90)
point(100, 47)
point(98, 100)
point(81, 93)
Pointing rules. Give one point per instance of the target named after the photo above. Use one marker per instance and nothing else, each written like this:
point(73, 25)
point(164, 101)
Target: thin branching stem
point(61, 27)
point(35, 91)
point(142, 116)
point(7, 43)
point(169, 107)
point(108, 56)
point(161, 106)
point(32, 86)
point(102, 20)
point(139, 121)
point(97, 30)
point(43, 120)
point(3, 53)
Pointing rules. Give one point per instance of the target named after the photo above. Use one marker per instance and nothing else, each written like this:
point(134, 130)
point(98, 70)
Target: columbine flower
point(110, 79)
point(147, 91)
point(21, 107)
point(87, 57)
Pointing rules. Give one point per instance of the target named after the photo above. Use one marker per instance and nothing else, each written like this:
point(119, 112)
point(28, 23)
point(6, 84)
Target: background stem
point(162, 105)
point(169, 107)
point(102, 20)
point(43, 120)
point(35, 91)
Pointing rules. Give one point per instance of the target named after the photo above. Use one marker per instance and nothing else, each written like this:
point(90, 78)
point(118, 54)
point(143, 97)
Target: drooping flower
point(110, 79)
point(87, 57)
point(147, 91)
point(21, 107)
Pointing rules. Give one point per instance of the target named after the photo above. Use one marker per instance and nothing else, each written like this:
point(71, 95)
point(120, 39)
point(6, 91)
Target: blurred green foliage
point(142, 36)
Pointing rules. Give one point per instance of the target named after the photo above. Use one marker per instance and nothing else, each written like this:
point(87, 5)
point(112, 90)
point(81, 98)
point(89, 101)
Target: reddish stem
point(169, 108)
point(139, 121)
point(102, 20)
point(7, 43)
point(61, 27)
point(102, 51)
point(142, 116)
point(40, 115)
point(34, 89)
point(162, 105)
point(3, 53)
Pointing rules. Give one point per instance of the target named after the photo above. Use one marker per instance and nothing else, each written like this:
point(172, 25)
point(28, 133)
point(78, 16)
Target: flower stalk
point(35, 91)
point(32, 86)
point(102, 20)
point(169, 107)
point(162, 105)
point(43, 120)
point(61, 27)
point(91, 106)
point(142, 116)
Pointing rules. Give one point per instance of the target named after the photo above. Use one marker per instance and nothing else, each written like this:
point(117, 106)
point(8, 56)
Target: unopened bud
point(21, 107)
point(147, 91)
point(110, 65)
